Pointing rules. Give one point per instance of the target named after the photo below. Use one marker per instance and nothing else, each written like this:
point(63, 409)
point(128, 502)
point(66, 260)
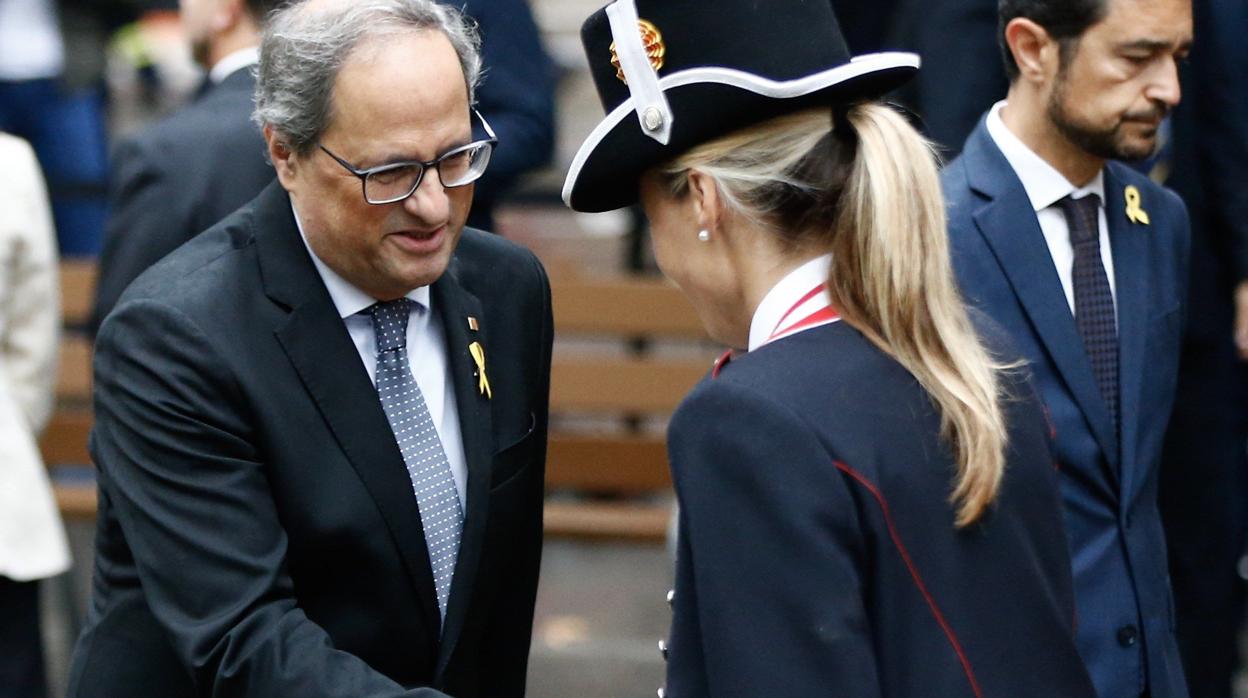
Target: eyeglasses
point(386, 184)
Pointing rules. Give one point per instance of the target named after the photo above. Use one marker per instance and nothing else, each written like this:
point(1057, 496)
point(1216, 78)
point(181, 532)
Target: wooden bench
point(612, 481)
point(64, 441)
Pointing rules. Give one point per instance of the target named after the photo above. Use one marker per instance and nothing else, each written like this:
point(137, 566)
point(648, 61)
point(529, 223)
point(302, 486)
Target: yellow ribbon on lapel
point(478, 355)
point(1135, 214)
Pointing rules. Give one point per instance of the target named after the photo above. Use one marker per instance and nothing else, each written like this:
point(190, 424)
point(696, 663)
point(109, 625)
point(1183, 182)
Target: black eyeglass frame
point(435, 163)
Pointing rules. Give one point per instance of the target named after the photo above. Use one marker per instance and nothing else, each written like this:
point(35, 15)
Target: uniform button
point(663, 649)
point(671, 596)
point(660, 693)
point(1128, 635)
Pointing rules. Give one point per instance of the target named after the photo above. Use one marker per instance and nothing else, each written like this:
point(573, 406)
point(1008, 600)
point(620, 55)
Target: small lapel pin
point(1135, 214)
point(473, 324)
point(478, 355)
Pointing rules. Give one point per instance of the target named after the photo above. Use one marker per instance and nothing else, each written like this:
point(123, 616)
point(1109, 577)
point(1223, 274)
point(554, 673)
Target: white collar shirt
point(426, 351)
point(1045, 187)
point(780, 308)
point(233, 62)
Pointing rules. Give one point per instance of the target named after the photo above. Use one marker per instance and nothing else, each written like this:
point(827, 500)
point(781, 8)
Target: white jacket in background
point(32, 537)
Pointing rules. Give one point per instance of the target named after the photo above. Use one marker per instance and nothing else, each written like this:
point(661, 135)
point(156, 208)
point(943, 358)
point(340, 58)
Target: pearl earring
point(704, 235)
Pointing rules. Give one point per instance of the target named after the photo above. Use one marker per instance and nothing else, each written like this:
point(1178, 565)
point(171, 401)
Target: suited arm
point(29, 343)
point(507, 640)
point(777, 553)
point(147, 220)
point(179, 464)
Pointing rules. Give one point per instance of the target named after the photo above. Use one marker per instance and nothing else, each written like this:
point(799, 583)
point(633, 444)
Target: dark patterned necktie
point(1094, 302)
point(427, 466)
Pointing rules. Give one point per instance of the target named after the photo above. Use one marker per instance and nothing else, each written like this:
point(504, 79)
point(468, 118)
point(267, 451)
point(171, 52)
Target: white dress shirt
point(232, 62)
point(779, 310)
point(426, 354)
point(1045, 187)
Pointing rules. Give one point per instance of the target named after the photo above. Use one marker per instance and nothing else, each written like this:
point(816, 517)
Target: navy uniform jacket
point(817, 554)
point(258, 534)
point(1109, 484)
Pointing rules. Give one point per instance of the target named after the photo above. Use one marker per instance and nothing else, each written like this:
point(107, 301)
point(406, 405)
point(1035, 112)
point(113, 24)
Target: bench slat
point(607, 464)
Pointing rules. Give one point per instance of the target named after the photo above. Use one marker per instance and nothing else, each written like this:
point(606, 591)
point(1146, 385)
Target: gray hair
point(303, 50)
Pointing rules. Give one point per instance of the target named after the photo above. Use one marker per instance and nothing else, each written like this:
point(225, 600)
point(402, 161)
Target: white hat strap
point(653, 111)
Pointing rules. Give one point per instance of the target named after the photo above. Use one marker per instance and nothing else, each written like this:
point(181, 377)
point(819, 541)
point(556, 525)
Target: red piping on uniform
point(914, 573)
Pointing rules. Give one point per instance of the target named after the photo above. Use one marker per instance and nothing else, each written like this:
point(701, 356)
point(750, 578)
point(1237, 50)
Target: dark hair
point(260, 9)
point(1064, 20)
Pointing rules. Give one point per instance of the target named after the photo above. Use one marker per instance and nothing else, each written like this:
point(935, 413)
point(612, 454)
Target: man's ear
point(706, 200)
point(283, 158)
point(1034, 51)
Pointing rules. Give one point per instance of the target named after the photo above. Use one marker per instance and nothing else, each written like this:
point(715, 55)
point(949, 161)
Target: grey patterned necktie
point(427, 466)
point(1094, 302)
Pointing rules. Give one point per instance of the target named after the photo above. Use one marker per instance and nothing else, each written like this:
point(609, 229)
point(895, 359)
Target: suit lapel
point(1010, 228)
point(322, 353)
point(1130, 251)
point(456, 304)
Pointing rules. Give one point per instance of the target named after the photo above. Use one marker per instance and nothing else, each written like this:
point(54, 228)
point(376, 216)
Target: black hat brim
point(707, 103)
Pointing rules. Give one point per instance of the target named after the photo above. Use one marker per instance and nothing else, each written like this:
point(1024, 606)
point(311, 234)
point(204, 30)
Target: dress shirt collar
point(348, 299)
point(1044, 185)
point(780, 299)
point(242, 58)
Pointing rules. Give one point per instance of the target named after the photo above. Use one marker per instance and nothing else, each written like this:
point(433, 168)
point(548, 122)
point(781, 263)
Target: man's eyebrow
point(397, 158)
point(1151, 45)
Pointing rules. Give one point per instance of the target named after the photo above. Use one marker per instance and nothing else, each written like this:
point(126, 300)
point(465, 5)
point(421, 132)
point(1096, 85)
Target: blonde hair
point(868, 191)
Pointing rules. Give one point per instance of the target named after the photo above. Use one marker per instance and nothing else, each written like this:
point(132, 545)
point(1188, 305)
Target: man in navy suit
point(1084, 262)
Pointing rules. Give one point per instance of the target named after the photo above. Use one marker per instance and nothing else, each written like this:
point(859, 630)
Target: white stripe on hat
point(653, 111)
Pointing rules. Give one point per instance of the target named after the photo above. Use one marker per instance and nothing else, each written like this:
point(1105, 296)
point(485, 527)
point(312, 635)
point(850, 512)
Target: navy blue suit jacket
point(1109, 483)
point(817, 554)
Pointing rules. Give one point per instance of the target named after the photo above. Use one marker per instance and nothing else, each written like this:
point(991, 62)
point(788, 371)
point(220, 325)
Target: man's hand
point(1241, 320)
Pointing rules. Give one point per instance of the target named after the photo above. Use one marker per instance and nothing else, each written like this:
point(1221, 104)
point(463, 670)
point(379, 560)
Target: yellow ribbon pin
point(1135, 214)
point(478, 355)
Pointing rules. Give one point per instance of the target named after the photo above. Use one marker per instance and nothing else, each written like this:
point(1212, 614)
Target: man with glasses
point(321, 424)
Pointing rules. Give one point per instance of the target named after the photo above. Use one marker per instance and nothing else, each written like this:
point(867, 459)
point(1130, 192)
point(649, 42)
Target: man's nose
point(429, 202)
point(1165, 86)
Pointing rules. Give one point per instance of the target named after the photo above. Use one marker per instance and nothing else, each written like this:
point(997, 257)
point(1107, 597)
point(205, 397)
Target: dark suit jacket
point(817, 554)
point(1109, 484)
point(177, 178)
point(258, 534)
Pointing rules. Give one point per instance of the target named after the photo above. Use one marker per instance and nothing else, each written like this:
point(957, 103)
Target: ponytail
point(866, 188)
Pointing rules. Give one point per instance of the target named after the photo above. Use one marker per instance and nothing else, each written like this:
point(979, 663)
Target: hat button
point(652, 118)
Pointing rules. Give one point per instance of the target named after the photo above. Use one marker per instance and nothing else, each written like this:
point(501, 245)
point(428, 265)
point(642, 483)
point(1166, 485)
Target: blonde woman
point(867, 496)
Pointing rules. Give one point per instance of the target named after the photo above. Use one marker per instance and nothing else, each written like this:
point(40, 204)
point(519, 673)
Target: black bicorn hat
point(673, 74)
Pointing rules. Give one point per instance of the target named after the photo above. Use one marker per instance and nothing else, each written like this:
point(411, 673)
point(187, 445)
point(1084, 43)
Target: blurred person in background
point(52, 94)
point(962, 73)
point(32, 538)
point(868, 505)
point(1084, 262)
point(176, 178)
point(517, 97)
point(320, 425)
point(1204, 473)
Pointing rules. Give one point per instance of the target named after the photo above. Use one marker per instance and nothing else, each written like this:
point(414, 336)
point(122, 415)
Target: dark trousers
point(66, 127)
point(21, 646)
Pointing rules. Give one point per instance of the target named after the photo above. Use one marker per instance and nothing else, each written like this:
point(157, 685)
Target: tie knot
point(390, 324)
point(1081, 218)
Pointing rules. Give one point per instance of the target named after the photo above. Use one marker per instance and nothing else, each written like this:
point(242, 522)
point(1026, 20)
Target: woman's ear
point(705, 198)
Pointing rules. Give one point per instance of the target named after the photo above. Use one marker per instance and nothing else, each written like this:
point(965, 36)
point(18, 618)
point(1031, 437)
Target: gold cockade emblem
point(652, 39)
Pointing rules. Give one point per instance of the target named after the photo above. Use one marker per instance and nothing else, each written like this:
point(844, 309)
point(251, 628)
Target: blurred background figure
point(51, 93)
point(962, 72)
point(1204, 486)
point(517, 97)
point(176, 178)
point(32, 539)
